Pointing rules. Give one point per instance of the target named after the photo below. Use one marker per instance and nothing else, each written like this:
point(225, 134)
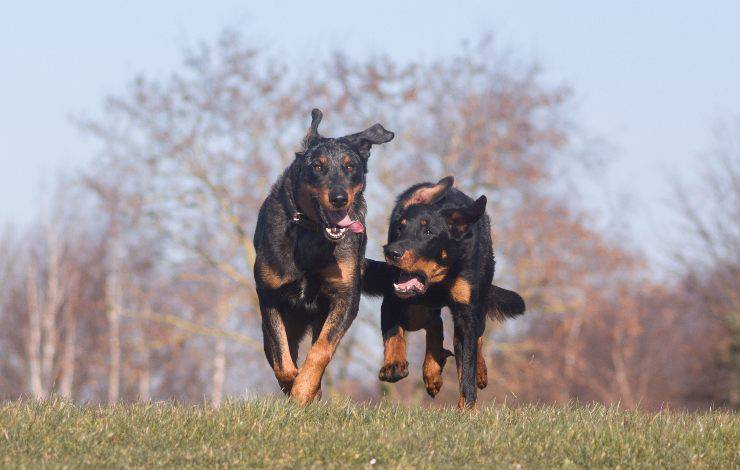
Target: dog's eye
point(318, 166)
point(427, 231)
point(349, 168)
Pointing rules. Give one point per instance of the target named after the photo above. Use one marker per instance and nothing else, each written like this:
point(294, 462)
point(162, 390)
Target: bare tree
point(69, 319)
point(158, 296)
point(709, 251)
point(34, 332)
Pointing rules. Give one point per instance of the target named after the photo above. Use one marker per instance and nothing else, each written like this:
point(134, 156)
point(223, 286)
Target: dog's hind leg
point(481, 373)
point(457, 343)
point(466, 357)
point(436, 355)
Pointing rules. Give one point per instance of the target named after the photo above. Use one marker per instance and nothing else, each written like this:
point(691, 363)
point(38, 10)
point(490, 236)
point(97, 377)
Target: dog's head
point(427, 236)
point(332, 175)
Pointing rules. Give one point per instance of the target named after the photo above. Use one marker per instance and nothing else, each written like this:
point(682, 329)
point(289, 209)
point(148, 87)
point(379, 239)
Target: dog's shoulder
point(273, 218)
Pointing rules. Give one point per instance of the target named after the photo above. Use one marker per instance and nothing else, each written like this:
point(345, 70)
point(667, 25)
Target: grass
point(275, 433)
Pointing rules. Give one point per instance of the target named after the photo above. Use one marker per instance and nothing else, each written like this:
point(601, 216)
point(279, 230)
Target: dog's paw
point(433, 384)
point(394, 371)
point(481, 382)
point(481, 377)
point(301, 397)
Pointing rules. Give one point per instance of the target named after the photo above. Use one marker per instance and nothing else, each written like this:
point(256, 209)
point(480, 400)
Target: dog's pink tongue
point(408, 281)
point(346, 222)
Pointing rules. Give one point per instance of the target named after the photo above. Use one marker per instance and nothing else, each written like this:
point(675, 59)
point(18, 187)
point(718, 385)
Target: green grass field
point(274, 433)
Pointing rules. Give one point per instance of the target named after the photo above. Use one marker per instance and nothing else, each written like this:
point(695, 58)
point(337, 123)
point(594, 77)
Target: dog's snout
point(338, 198)
point(393, 254)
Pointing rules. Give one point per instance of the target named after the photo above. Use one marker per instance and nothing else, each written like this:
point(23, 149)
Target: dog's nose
point(392, 254)
point(338, 198)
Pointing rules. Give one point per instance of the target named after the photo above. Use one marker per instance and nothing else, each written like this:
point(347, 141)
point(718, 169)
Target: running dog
point(310, 245)
point(439, 254)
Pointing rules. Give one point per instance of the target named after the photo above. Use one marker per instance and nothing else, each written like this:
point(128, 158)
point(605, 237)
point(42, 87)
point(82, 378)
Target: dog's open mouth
point(410, 284)
point(338, 224)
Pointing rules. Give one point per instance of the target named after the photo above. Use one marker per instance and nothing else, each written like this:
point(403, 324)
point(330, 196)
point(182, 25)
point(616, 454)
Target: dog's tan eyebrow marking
point(424, 222)
point(346, 160)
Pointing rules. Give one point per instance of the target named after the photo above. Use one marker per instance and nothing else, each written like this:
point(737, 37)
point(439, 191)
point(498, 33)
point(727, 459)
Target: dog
point(310, 246)
point(439, 254)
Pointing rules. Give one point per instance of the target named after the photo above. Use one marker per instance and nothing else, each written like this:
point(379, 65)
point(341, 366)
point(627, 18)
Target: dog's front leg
point(280, 349)
point(342, 286)
point(395, 366)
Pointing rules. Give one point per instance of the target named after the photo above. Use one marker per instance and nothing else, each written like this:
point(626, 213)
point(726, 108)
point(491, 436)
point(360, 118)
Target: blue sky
point(650, 78)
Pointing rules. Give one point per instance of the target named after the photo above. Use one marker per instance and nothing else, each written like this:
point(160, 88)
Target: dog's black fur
point(439, 253)
point(309, 255)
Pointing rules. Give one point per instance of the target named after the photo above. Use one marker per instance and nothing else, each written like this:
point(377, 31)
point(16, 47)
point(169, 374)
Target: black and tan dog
point(310, 245)
point(439, 254)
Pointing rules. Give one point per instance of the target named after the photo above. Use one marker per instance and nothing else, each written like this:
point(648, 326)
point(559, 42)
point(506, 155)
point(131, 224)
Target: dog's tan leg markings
point(307, 384)
point(481, 373)
point(395, 365)
point(460, 291)
point(435, 357)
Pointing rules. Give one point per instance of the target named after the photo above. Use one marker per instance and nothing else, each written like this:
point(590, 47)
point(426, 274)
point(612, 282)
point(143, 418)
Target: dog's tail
point(502, 303)
point(377, 278)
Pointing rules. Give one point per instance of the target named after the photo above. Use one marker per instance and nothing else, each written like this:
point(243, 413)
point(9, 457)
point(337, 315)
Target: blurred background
point(138, 139)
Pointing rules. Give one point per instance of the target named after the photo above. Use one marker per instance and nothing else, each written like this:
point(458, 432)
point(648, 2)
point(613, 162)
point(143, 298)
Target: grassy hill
point(269, 433)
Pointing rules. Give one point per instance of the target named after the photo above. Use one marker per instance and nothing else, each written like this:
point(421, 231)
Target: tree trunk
point(51, 307)
point(113, 301)
point(34, 335)
point(114, 347)
point(621, 375)
point(219, 372)
point(144, 366)
point(67, 371)
point(223, 309)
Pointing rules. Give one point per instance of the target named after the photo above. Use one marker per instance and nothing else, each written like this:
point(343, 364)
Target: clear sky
point(650, 77)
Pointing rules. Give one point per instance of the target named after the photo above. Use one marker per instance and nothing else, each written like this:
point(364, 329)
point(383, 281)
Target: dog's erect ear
point(362, 141)
point(430, 194)
point(461, 218)
point(312, 136)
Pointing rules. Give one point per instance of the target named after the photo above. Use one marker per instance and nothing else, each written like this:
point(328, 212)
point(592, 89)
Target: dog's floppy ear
point(430, 194)
point(313, 136)
point(460, 219)
point(362, 141)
